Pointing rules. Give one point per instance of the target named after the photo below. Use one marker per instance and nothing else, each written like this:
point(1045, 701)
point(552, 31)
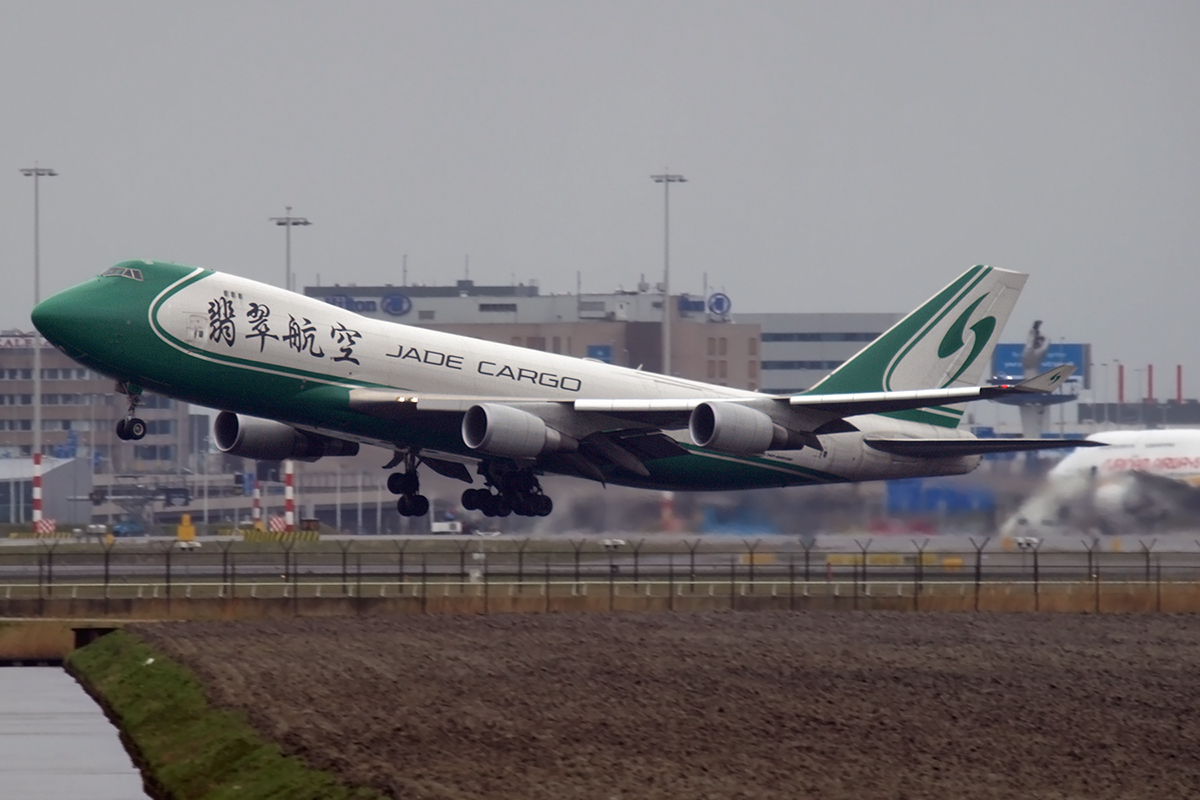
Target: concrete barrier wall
point(1077, 598)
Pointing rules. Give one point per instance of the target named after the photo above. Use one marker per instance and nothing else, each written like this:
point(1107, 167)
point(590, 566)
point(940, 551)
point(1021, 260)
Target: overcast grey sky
point(840, 156)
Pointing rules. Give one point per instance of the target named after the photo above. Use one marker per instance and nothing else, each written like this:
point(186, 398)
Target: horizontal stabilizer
point(955, 448)
point(1047, 381)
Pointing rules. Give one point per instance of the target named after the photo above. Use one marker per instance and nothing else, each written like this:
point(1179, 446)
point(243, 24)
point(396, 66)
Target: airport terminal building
point(80, 410)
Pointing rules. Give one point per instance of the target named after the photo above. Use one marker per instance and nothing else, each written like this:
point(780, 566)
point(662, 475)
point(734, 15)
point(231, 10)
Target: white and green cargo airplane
point(299, 378)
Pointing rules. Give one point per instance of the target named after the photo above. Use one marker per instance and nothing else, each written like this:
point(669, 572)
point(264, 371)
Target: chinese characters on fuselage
point(301, 334)
point(302, 337)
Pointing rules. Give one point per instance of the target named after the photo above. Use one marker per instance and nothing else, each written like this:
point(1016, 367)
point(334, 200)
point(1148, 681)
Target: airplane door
point(197, 329)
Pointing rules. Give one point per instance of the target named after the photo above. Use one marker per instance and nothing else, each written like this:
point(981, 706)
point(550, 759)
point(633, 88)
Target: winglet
point(1047, 381)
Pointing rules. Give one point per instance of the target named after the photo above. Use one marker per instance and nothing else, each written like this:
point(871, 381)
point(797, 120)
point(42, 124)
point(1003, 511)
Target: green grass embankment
point(186, 747)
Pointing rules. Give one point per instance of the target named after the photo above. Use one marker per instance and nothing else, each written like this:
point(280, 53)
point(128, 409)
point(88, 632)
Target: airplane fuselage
point(230, 343)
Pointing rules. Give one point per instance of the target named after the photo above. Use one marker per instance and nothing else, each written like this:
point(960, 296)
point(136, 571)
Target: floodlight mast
point(36, 172)
point(666, 179)
point(288, 221)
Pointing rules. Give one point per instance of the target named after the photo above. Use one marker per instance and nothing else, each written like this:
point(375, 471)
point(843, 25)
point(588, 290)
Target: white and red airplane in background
point(1142, 479)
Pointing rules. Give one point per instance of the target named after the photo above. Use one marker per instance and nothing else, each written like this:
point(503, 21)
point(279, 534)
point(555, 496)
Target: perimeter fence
point(526, 574)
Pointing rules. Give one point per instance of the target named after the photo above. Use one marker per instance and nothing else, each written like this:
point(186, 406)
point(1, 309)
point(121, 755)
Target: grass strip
point(187, 748)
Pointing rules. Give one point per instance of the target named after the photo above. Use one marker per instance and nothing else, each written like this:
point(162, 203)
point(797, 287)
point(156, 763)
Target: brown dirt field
point(721, 705)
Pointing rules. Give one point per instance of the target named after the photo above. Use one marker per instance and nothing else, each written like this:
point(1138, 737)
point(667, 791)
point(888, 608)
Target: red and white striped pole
point(289, 495)
point(256, 508)
point(37, 490)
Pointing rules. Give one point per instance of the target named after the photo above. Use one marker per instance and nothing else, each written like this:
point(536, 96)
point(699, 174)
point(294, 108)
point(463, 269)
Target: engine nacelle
point(501, 430)
point(268, 440)
point(735, 428)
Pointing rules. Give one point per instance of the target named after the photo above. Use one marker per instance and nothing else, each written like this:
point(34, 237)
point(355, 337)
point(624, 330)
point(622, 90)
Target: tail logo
point(953, 341)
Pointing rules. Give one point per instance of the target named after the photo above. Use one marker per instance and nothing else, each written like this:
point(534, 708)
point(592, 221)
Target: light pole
point(1104, 391)
point(288, 221)
point(666, 179)
point(36, 172)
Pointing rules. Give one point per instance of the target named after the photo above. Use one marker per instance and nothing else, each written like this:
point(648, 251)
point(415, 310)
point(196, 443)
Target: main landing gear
point(517, 492)
point(408, 485)
point(131, 427)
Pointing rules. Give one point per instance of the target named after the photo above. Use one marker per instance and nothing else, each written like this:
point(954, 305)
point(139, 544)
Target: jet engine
point(501, 430)
point(268, 440)
point(735, 428)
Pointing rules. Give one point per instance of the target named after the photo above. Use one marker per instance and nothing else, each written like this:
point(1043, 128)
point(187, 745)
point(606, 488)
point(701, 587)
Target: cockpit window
point(122, 272)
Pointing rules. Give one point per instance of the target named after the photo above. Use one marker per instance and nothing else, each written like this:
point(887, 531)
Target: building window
point(712, 346)
point(154, 452)
point(26, 399)
point(752, 369)
point(156, 401)
point(723, 348)
point(801, 364)
point(425, 316)
point(820, 337)
point(557, 344)
point(753, 346)
point(509, 307)
point(723, 369)
point(536, 342)
point(516, 340)
point(712, 368)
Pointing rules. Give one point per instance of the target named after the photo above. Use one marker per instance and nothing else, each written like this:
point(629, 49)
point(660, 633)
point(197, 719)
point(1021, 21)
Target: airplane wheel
point(123, 429)
point(471, 499)
point(522, 505)
point(542, 505)
point(494, 505)
point(419, 505)
point(403, 483)
point(405, 505)
point(485, 501)
point(503, 506)
point(136, 429)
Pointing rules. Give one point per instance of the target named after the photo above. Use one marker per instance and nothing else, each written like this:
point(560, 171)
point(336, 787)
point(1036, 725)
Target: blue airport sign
point(1006, 361)
point(600, 352)
point(719, 304)
point(396, 304)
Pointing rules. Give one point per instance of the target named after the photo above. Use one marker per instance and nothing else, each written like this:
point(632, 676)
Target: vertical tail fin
point(946, 342)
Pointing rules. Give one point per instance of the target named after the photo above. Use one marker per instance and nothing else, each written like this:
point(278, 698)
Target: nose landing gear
point(408, 485)
point(131, 427)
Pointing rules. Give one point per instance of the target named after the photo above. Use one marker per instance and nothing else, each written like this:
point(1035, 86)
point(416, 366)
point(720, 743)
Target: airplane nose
point(63, 319)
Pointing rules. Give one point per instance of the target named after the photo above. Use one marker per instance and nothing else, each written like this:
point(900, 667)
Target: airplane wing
point(955, 448)
point(628, 432)
point(833, 405)
point(1169, 491)
point(846, 405)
